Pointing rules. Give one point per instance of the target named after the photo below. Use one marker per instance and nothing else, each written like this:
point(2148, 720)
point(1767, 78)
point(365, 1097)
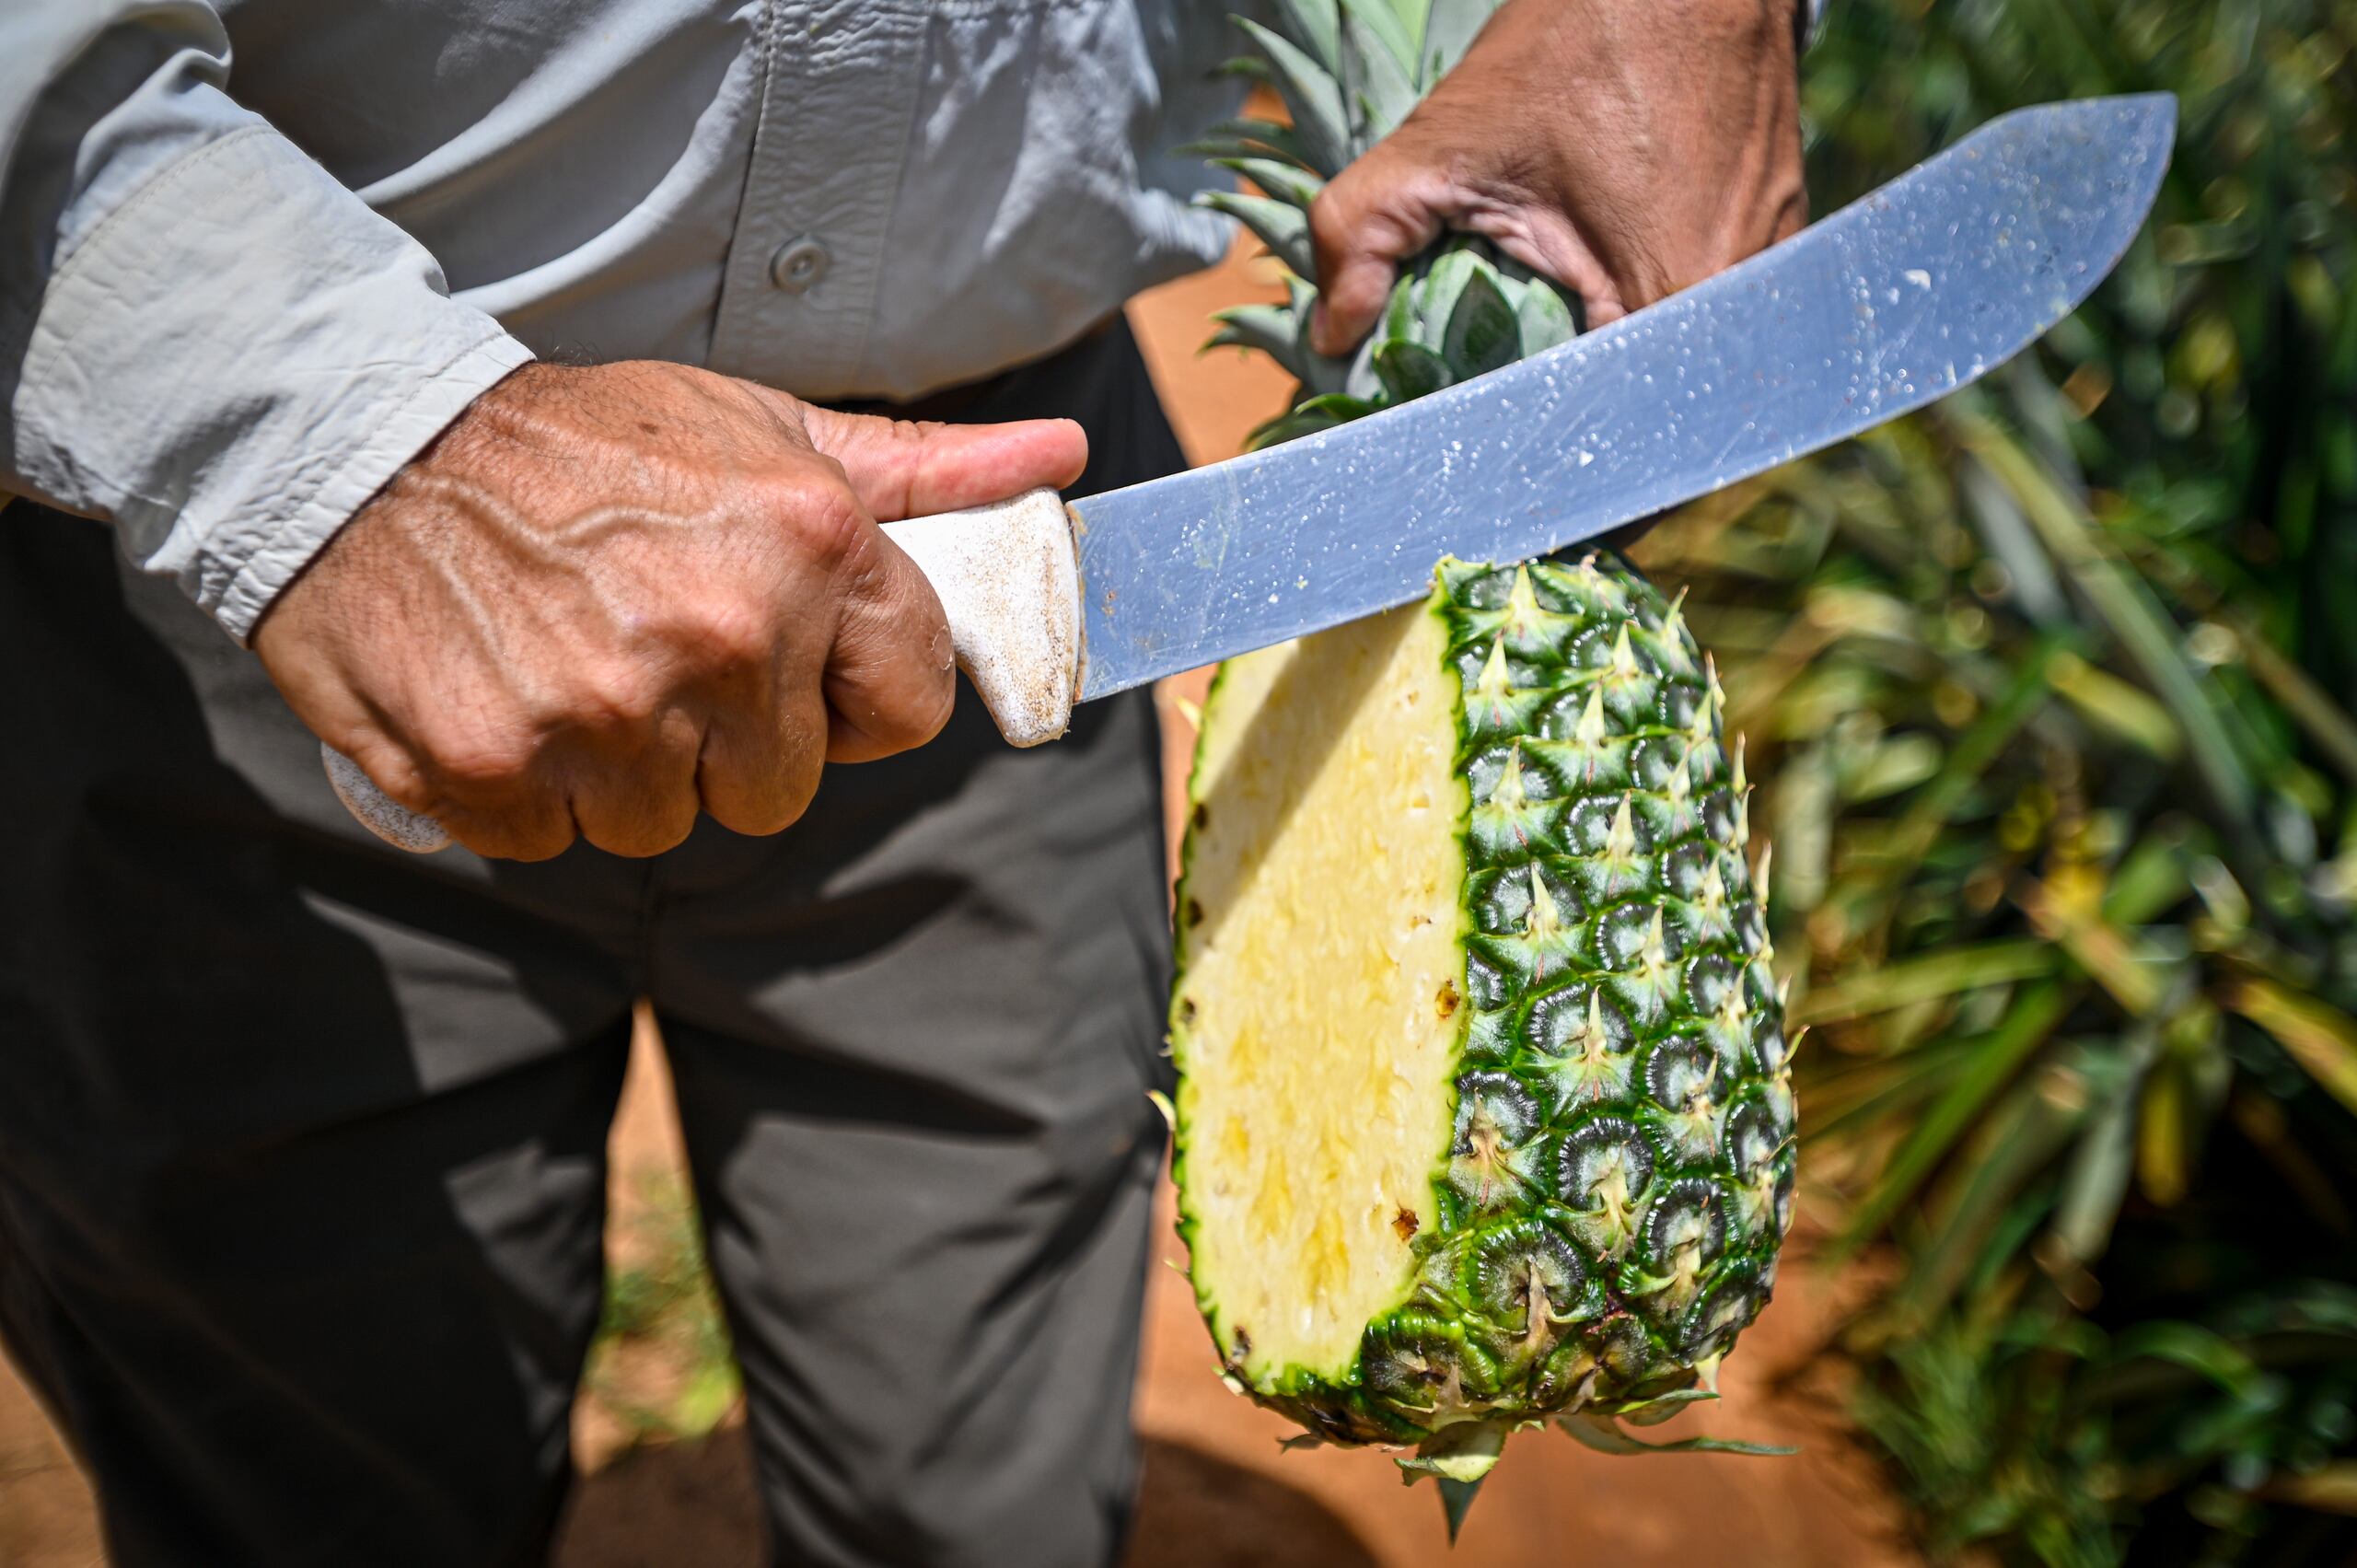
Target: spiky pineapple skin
point(1619, 1170)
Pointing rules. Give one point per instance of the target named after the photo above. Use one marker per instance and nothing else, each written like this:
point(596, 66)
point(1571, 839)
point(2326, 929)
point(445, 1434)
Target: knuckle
point(481, 763)
point(798, 785)
point(832, 529)
point(928, 711)
point(735, 632)
point(616, 694)
point(396, 773)
point(760, 819)
point(642, 836)
point(498, 837)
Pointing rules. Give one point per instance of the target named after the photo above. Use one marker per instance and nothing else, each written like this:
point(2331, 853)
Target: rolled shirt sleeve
point(204, 337)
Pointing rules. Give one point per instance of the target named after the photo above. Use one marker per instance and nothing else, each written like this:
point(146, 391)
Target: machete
point(1896, 300)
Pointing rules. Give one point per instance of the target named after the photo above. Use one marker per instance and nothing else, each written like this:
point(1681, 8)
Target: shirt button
point(798, 264)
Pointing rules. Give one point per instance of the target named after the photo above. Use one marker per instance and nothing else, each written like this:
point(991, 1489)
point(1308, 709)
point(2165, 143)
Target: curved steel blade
point(1904, 296)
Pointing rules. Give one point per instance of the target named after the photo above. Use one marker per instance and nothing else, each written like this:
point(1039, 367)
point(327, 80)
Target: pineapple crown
point(1348, 71)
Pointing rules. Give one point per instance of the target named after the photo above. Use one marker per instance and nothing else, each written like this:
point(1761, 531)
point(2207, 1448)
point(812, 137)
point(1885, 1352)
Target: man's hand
point(1625, 148)
point(606, 597)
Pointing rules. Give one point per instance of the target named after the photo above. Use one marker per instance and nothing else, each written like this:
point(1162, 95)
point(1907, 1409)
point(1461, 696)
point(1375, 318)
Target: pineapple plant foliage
point(1484, 1114)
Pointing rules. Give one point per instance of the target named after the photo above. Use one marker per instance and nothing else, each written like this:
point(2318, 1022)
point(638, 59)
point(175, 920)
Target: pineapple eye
point(1680, 703)
point(1558, 1023)
point(1626, 934)
point(1653, 759)
point(1592, 649)
point(1484, 979)
point(1594, 822)
point(1685, 868)
point(1726, 1307)
point(1753, 1137)
point(1501, 902)
point(1488, 590)
point(1524, 1268)
point(1621, 1348)
point(1493, 1109)
point(1501, 898)
point(1606, 1163)
point(1708, 981)
point(1687, 1218)
point(1491, 1158)
point(1551, 586)
point(1718, 821)
point(1412, 1360)
point(1678, 1072)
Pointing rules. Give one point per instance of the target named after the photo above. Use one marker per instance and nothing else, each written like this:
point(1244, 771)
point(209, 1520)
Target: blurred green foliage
point(2051, 689)
point(663, 1366)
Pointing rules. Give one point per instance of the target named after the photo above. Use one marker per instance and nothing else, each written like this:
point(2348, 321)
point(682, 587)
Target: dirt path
point(1219, 1493)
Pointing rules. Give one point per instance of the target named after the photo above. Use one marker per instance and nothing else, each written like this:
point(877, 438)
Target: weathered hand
point(608, 596)
point(1625, 148)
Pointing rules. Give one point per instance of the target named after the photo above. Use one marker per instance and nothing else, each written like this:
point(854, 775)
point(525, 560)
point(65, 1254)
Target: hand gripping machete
point(1896, 300)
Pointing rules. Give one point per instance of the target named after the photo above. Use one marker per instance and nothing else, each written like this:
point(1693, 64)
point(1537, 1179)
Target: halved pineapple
point(1484, 1113)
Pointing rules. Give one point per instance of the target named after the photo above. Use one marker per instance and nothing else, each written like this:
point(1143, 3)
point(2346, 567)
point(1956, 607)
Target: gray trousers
point(302, 1139)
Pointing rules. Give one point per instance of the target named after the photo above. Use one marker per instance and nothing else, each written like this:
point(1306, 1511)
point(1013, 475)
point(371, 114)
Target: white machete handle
point(1007, 574)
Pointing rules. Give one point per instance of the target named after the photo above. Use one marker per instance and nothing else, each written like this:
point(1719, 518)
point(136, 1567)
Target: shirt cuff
point(235, 360)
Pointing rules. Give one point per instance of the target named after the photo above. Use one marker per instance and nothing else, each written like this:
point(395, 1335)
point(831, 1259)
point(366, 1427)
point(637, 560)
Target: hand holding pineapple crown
point(1442, 162)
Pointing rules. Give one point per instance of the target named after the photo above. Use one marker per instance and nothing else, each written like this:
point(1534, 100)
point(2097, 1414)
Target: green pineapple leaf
point(1481, 336)
point(1544, 318)
point(1449, 31)
point(1282, 181)
point(1654, 1411)
point(1313, 96)
point(1317, 25)
point(1283, 229)
point(1410, 369)
point(1455, 1501)
point(1288, 425)
point(1342, 406)
point(1268, 328)
point(1383, 88)
point(1603, 1434)
point(1251, 138)
point(1381, 20)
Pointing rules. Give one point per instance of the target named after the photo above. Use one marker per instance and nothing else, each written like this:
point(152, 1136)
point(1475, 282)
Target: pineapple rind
point(1617, 1175)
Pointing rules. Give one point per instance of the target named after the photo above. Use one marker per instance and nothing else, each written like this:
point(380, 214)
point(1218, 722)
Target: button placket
point(840, 82)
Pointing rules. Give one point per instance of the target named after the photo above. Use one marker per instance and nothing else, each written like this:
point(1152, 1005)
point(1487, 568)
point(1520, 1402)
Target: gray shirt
point(240, 286)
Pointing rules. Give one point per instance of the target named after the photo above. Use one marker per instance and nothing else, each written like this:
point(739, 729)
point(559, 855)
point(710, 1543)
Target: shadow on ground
point(693, 1503)
point(1197, 1510)
point(665, 1505)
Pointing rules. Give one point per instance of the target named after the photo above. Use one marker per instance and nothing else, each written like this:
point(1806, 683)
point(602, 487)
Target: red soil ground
point(1219, 1493)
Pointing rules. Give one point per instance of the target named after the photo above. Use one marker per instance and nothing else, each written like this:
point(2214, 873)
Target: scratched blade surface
point(1885, 306)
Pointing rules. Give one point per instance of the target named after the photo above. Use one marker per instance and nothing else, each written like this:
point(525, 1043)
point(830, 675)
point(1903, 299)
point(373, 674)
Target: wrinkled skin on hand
point(1625, 148)
point(607, 597)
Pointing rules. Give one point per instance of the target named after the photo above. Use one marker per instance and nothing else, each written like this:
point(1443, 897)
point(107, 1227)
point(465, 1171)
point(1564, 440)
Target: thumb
point(1372, 216)
point(901, 468)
